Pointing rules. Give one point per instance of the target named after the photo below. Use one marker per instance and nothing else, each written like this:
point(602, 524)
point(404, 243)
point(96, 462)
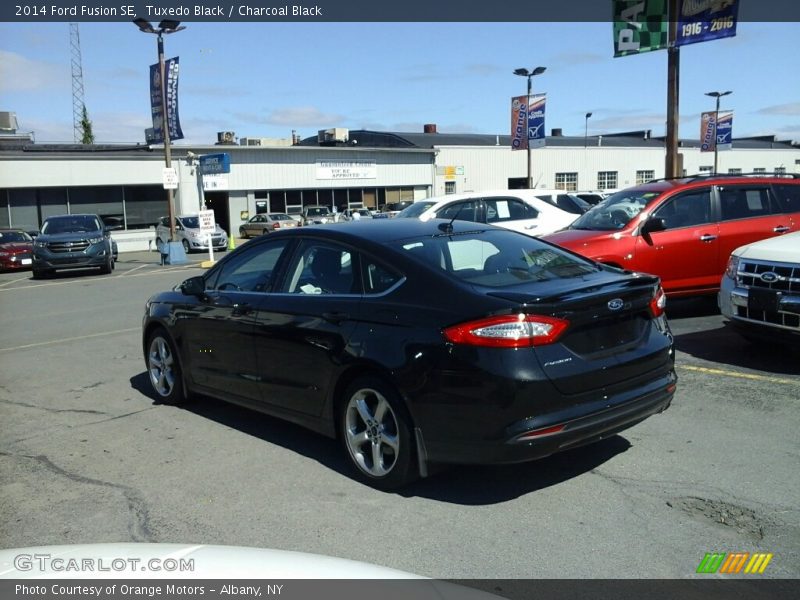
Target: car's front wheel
point(376, 433)
point(163, 368)
point(186, 246)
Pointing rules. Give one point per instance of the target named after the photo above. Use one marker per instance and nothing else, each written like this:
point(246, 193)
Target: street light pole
point(522, 72)
point(164, 27)
point(716, 95)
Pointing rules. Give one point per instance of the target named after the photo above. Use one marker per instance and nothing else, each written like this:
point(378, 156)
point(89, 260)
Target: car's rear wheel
point(186, 246)
point(163, 368)
point(376, 433)
point(243, 233)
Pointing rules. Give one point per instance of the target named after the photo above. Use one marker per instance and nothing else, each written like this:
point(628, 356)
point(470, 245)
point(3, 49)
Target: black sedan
point(418, 342)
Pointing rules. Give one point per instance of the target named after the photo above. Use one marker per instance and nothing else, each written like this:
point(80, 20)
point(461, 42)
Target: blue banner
point(173, 120)
point(215, 164)
point(536, 129)
point(704, 20)
point(724, 132)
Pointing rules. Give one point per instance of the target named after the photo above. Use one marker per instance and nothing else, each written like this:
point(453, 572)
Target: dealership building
point(339, 168)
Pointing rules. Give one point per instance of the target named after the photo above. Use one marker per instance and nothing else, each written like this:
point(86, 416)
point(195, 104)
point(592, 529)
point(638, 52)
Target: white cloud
point(791, 109)
point(21, 74)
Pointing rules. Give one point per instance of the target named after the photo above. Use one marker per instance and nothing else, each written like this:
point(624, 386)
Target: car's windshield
point(190, 222)
point(616, 211)
point(415, 209)
point(71, 224)
point(280, 217)
point(317, 211)
point(496, 258)
point(14, 236)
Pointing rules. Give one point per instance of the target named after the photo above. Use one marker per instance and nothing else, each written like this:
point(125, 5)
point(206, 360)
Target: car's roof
point(386, 230)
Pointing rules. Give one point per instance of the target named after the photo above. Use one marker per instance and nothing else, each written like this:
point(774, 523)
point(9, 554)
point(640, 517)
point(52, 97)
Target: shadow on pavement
point(467, 485)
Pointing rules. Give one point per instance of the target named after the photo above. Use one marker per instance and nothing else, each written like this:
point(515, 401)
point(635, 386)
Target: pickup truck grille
point(73, 246)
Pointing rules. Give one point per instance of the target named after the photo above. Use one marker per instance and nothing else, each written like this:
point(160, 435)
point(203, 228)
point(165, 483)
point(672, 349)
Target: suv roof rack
point(705, 176)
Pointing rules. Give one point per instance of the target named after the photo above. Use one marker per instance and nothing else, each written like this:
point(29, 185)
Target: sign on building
point(347, 169)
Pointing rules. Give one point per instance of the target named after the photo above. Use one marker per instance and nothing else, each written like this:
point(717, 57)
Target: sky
point(266, 79)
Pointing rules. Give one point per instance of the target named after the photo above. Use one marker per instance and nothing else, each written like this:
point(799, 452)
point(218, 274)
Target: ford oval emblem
point(769, 277)
point(615, 304)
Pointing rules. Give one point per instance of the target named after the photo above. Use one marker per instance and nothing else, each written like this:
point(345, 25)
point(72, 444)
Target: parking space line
point(158, 272)
point(14, 280)
point(71, 339)
point(132, 270)
point(727, 373)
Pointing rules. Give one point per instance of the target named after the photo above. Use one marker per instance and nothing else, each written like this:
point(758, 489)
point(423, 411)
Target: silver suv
point(187, 232)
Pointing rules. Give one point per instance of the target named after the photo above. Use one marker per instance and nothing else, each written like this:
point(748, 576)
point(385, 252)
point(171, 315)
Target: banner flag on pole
point(702, 21)
point(640, 26)
point(519, 120)
point(173, 120)
point(536, 131)
point(724, 134)
point(708, 131)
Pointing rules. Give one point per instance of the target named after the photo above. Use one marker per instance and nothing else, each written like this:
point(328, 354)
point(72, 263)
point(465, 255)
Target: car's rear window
point(495, 258)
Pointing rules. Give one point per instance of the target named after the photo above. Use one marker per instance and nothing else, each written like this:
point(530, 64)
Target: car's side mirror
point(194, 286)
point(654, 224)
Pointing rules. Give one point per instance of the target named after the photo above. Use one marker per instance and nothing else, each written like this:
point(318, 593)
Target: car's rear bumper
point(529, 439)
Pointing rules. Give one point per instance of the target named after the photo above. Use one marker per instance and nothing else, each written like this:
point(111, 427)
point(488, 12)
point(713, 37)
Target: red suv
point(684, 230)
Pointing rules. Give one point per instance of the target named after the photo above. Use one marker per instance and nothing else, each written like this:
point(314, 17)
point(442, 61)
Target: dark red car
point(16, 249)
point(684, 230)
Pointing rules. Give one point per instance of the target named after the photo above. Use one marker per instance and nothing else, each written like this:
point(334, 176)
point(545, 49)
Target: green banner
point(640, 26)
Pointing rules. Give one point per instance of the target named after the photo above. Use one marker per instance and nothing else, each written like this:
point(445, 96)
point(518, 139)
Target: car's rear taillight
point(276, 225)
point(658, 303)
point(509, 331)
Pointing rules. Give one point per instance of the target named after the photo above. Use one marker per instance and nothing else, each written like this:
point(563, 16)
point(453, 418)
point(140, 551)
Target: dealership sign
point(527, 122)
point(716, 131)
point(704, 20)
point(157, 101)
point(347, 169)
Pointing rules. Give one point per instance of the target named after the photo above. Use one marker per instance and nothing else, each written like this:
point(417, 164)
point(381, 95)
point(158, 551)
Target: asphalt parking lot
point(87, 455)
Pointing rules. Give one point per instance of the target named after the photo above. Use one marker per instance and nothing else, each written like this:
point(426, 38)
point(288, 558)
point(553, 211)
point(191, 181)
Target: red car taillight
point(509, 331)
point(276, 225)
point(658, 303)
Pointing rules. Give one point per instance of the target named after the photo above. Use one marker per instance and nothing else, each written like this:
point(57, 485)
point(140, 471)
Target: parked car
point(73, 242)
point(684, 230)
point(592, 197)
point(317, 215)
point(266, 223)
point(413, 211)
point(760, 291)
point(520, 210)
point(16, 249)
point(353, 331)
point(349, 214)
point(187, 232)
point(392, 209)
point(566, 201)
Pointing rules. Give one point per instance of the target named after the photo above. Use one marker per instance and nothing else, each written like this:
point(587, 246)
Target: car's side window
point(743, 203)
point(462, 211)
point(499, 210)
point(250, 271)
point(321, 268)
point(788, 197)
point(685, 210)
point(377, 277)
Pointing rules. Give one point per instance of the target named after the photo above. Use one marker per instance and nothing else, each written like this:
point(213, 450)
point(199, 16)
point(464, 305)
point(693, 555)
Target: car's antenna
point(448, 227)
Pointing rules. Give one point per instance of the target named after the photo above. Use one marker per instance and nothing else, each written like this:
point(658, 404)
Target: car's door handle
point(240, 310)
point(707, 238)
point(781, 229)
point(335, 317)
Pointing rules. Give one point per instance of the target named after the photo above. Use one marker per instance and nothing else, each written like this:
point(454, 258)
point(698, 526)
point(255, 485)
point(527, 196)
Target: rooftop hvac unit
point(8, 121)
point(225, 137)
point(333, 136)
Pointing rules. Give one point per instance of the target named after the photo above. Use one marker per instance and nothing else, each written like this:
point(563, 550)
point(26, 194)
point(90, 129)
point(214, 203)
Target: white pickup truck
point(760, 291)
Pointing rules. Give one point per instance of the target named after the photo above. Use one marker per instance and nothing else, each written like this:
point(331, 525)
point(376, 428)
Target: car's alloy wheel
point(164, 368)
point(377, 434)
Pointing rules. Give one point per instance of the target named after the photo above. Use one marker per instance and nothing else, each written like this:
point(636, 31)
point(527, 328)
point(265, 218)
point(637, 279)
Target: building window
point(567, 181)
point(449, 187)
point(645, 176)
point(780, 170)
point(759, 170)
point(606, 180)
point(734, 171)
point(708, 169)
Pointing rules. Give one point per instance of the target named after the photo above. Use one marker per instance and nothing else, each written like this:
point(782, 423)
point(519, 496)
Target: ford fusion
point(416, 343)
